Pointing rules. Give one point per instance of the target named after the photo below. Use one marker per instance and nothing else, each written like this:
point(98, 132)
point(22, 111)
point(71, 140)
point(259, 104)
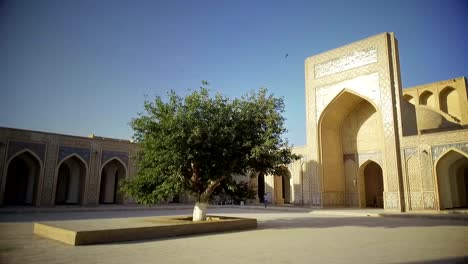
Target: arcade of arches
point(58, 169)
point(369, 143)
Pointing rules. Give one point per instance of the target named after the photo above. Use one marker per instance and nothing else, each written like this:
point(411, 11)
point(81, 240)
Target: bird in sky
point(286, 56)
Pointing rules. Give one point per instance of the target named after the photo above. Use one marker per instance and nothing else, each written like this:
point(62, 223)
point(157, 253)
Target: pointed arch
point(449, 102)
point(85, 163)
point(447, 151)
point(26, 150)
point(116, 159)
point(342, 128)
point(427, 98)
point(367, 162)
point(345, 92)
point(23, 173)
point(451, 178)
point(370, 184)
point(70, 180)
point(112, 172)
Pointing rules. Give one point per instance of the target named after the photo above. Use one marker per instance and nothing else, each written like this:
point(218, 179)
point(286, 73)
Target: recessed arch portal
point(71, 179)
point(286, 184)
point(349, 125)
point(261, 187)
point(112, 174)
point(371, 185)
point(452, 179)
point(22, 179)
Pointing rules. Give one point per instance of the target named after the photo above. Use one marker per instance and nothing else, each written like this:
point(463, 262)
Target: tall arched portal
point(22, 180)
point(349, 126)
point(112, 175)
point(452, 180)
point(70, 181)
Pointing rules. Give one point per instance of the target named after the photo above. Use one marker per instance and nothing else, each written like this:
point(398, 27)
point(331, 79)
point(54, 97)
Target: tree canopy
point(193, 143)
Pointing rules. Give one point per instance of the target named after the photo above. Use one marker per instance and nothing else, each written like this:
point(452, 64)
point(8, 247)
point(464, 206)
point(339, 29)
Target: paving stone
point(282, 237)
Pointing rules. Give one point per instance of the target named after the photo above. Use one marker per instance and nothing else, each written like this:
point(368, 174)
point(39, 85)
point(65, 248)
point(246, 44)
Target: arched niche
point(113, 173)
point(452, 179)
point(71, 178)
point(286, 185)
point(261, 187)
point(449, 102)
point(427, 98)
point(22, 179)
point(371, 185)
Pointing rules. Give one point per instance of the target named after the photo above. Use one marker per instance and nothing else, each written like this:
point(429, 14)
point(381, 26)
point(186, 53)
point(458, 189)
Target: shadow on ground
point(84, 215)
point(267, 219)
point(452, 260)
point(335, 221)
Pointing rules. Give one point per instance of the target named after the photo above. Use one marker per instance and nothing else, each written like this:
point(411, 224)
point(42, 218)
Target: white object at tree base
point(199, 211)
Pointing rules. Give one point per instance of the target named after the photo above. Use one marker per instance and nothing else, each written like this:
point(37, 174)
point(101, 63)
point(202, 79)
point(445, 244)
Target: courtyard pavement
point(282, 236)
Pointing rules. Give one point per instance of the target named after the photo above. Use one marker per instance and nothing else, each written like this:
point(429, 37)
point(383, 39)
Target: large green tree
point(193, 144)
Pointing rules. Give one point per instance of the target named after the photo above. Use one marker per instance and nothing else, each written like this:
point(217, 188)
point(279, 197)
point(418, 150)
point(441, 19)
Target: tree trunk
point(199, 211)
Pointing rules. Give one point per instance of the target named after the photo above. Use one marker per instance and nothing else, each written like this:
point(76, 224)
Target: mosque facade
point(370, 143)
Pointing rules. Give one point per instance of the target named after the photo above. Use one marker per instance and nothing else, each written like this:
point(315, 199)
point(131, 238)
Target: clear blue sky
point(81, 67)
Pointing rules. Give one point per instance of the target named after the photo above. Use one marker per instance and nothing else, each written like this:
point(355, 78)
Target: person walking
point(265, 199)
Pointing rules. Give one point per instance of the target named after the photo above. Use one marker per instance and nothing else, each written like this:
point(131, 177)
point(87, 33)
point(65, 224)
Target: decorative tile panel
point(416, 199)
point(429, 200)
point(426, 171)
point(348, 61)
point(374, 156)
point(333, 198)
point(410, 152)
point(316, 199)
point(367, 86)
point(17, 146)
point(49, 175)
point(438, 150)
point(351, 199)
point(414, 177)
point(64, 151)
point(109, 154)
point(391, 200)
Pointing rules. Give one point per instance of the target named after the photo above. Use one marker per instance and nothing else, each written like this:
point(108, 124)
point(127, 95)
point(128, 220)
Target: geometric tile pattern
point(109, 154)
point(64, 151)
point(439, 149)
point(349, 61)
point(17, 146)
